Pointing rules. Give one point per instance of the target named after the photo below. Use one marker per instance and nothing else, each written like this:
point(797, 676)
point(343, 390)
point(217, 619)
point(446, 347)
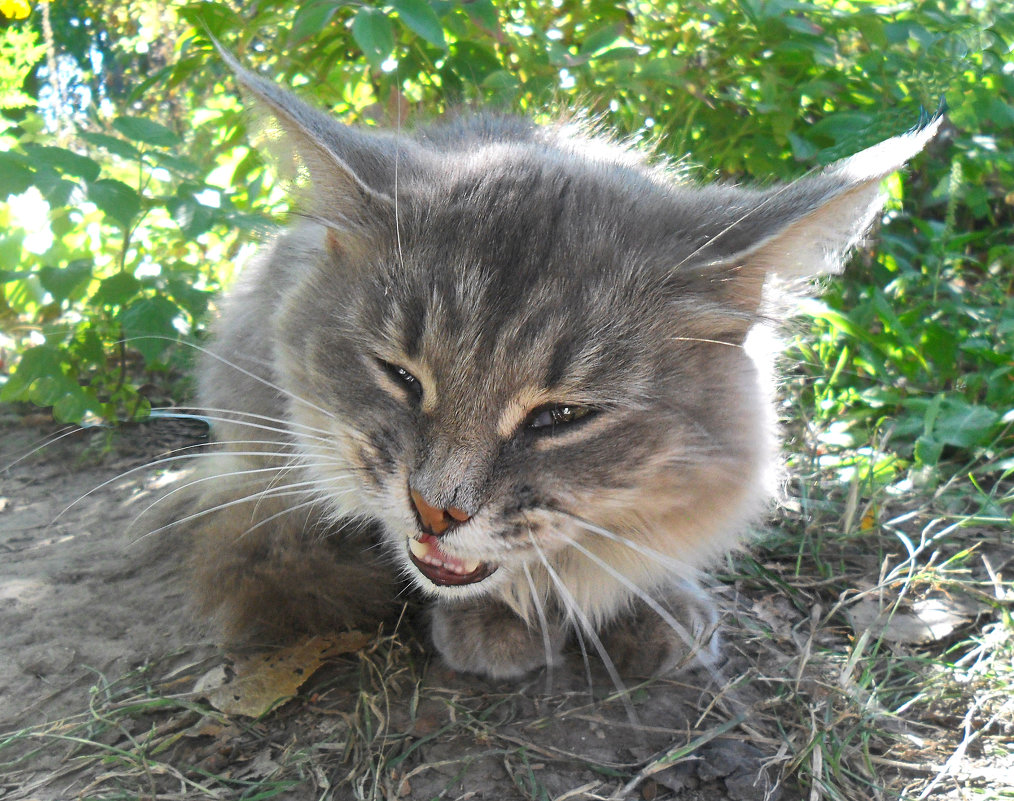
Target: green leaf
point(195, 301)
point(600, 40)
point(75, 404)
point(40, 379)
point(42, 361)
point(11, 243)
point(175, 163)
point(192, 217)
point(55, 189)
point(472, 61)
point(66, 161)
point(140, 129)
point(113, 144)
point(374, 34)
point(964, 425)
point(312, 18)
point(15, 175)
point(148, 326)
point(116, 199)
point(61, 282)
point(419, 17)
point(502, 80)
point(215, 17)
point(485, 12)
point(928, 450)
point(802, 150)
point(116, 290)
point(47, 390)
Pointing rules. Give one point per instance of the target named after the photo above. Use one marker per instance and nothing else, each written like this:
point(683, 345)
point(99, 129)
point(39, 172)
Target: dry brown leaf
point(924, 621)
point(257, 684)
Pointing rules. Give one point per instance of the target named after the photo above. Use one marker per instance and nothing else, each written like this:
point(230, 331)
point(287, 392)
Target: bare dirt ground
point(102, 677)
point(90, 620)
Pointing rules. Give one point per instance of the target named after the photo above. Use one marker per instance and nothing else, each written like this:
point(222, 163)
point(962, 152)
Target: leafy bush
point(131, 190)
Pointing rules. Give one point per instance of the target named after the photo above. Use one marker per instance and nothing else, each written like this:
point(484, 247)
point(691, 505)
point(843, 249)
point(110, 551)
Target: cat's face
point(521, 349)
point(521, 354)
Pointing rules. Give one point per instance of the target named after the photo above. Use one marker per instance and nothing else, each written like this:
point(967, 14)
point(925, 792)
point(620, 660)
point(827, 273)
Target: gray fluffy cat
point(504, 362)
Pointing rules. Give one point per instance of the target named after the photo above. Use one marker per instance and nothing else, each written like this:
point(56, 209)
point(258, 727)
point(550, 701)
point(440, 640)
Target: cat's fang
point(443, 569)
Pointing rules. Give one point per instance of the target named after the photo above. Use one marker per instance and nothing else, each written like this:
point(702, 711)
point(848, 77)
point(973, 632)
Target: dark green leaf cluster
point(149, 188)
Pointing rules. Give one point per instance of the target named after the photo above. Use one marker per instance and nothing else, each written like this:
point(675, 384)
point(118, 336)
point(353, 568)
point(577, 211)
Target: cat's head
point(526, 345)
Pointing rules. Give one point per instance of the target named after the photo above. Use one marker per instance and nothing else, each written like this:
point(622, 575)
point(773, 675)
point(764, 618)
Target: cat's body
point(507, 363)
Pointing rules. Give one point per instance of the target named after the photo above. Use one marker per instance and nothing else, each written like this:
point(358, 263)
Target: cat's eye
point(548, 417)
point(403, 377)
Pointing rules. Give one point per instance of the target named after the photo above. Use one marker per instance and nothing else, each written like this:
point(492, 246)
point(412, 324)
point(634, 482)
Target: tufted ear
point(351, 172)
point(802, 229)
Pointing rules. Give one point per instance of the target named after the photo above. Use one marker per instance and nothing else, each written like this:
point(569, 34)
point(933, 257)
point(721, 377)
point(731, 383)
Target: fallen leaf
point(257, 684)
point(260, 767)
point(924, 621)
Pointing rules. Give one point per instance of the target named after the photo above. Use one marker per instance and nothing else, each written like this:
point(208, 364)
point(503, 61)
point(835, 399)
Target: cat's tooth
point(470, 567)
point(418, 548)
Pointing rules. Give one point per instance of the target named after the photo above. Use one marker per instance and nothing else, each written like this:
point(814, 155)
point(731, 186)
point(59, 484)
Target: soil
point(101, 657)
point(88, 614)
point(79, 605)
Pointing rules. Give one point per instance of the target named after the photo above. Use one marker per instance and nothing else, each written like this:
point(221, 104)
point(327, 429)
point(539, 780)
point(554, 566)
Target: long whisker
point(217, 477)
point(236, 367)
point(544, 625)
point(575, 610)
point(259, 426)
point(397, 160)
point(288, 490)
point(289, 510)
point(197, 413)
point(47, 441)
point(692, 643)
point(707, 341)
point(178, 456)
point(680, 569)
point(293, 464)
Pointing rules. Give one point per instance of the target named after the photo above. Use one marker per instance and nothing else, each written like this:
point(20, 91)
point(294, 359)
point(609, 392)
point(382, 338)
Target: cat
point(508, 364)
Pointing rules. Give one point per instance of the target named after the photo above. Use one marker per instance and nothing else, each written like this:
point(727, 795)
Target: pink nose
point(437, 521)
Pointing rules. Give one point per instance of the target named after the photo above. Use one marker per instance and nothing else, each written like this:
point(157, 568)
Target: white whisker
point(288, 490)
point(288, 510)
point(707, 341)
point(197, 413)
point(574, 609)
point(692, 643)
point(678, 568)
point(178, 456)
point(258, 426)
point(540, 612)
point(236, 367)
point(47, 441)
point(217, 477)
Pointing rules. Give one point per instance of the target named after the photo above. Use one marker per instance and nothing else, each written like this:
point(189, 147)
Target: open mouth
point(442, 568)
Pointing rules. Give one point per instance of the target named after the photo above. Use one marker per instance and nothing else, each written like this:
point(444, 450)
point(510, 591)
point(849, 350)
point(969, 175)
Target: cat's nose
point(437, 521)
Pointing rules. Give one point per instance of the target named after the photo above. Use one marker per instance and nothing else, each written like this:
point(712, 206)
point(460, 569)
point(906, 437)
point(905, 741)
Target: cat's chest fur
point(515, 356)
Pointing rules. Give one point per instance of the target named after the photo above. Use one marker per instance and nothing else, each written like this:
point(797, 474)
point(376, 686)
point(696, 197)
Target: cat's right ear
point(341, 199)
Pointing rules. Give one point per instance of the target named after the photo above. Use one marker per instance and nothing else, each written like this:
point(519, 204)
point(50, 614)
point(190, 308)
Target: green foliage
point(128, 205)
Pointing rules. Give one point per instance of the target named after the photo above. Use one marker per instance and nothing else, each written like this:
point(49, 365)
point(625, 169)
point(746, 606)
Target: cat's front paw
point(645, 642)
point(488, 638)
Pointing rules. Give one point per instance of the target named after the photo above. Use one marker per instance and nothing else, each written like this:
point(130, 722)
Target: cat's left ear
point(806, 228)
point(346, 166)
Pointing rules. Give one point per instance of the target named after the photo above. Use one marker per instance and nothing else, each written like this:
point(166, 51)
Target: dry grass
point(870, 656)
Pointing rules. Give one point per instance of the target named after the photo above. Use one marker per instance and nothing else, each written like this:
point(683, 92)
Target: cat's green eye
point(548, 417)
point(402, 376)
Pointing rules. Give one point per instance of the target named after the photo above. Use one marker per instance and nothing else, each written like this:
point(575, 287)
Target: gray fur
point(505, 265)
